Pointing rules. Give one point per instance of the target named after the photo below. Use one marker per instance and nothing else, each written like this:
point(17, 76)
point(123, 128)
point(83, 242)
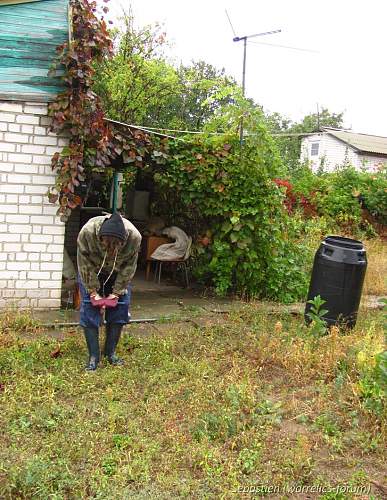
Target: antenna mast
point(239, 39)
point(244, 38)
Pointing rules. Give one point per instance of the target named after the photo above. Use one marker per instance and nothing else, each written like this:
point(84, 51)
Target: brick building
point(31, 235)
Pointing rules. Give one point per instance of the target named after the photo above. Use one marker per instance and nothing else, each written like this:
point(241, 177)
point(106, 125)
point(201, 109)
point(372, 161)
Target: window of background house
point(314, 149)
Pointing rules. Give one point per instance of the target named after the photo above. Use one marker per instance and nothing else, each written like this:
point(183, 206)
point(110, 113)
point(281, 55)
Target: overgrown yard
point(251, 402)
point(375, 279)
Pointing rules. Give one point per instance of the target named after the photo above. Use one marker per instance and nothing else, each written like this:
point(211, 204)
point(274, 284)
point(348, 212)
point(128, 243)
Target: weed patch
point(194, 413)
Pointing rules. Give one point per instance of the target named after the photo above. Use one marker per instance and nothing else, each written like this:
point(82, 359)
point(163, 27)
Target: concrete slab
point(151, 300)
point(59, 316)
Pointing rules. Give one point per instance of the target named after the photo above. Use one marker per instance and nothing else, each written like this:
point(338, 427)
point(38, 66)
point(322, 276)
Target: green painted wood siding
point(29, 35)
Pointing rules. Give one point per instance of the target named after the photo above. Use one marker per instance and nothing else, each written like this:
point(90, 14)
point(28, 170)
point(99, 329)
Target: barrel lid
point(341, 241)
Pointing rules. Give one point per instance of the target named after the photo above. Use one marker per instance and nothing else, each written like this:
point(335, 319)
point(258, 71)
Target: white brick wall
point(31, 235)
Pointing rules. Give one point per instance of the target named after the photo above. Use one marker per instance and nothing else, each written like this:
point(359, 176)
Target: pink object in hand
point(104, 302)
point(111, 302)
point(97, 303)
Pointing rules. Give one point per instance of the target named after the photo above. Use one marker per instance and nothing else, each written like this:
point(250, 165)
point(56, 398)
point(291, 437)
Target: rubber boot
point(92, 341)
point(113, 333)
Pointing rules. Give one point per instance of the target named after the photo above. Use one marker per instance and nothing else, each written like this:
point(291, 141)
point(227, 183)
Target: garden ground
point(201, 410)
point(216, 399)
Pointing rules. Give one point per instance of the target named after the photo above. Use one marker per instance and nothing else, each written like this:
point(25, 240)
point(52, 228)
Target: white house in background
point(333, 147)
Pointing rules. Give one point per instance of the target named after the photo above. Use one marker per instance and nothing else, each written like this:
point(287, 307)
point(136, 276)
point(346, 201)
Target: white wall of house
point(372, 163)
point(31, 235)
point(332, 153)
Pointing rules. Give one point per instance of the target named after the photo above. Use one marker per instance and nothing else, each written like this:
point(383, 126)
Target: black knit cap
point(113, 226)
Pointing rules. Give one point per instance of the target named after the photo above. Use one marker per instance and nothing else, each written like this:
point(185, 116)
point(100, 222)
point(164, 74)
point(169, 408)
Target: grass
point(375, 280)
point(196, 413)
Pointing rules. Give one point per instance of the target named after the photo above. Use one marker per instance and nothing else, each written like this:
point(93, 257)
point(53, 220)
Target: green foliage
point(333, 495)
point(248, 459)
point(351, 199)
point(372, 394)
point(373, 381)
point(269, 413)
point(78, 110)
point(94, 144)
point(380, 370)
point(136, 82)
point(214, 427)
point(225, 194)
point(109, 466)
point(346, 191)
point(327, 424)
point(314, 121)
point(316, 313)
point(374, 191)
point(203, 91)
point(139, 85)
point(339, 198)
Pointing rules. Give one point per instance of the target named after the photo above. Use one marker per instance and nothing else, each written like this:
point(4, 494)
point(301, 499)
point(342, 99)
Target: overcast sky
point(347, 72)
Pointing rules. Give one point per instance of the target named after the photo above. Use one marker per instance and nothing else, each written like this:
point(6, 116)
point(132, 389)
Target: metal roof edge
point(13, 96)
point(372, 153)
point(344, 141)
point(349, 131)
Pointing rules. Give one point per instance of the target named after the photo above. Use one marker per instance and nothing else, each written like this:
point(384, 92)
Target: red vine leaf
point(78, 110)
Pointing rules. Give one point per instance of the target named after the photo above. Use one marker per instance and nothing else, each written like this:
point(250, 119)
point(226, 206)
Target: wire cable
point(144, 129)
point(285, 47)
point(152, 130)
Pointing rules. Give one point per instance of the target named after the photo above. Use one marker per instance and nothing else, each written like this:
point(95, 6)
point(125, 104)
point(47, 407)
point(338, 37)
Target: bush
point(374, 193)
point(225, 196)
point(338, 196)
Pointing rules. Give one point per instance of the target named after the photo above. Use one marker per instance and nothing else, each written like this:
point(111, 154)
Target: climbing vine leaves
point(77, 111)
point(93, 142)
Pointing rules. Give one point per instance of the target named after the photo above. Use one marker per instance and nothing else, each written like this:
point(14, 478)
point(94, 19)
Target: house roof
point(363, 143)
point(12, 2)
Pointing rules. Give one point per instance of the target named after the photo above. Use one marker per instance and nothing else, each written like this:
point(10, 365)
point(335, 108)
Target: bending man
point(107, 254)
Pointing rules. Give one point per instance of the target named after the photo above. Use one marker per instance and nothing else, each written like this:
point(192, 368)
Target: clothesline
point(144, 129)
point(154, 130)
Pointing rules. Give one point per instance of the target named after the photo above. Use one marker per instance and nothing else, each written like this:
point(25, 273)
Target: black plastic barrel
point(338, 274)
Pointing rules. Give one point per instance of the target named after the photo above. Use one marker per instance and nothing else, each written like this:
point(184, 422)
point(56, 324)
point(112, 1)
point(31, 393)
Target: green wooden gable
point(29, 35)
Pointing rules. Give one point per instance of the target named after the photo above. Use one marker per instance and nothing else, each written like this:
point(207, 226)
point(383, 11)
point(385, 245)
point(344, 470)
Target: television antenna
point(244, 39)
